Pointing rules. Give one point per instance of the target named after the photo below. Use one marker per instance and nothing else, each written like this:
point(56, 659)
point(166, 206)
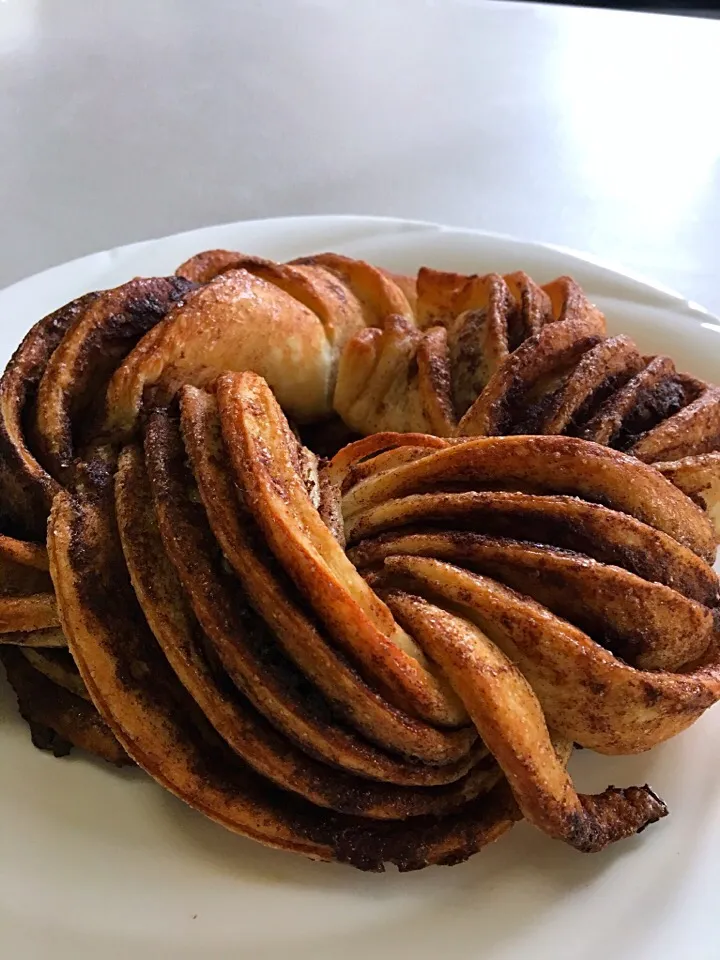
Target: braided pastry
point(381, 658)
point(453, 355)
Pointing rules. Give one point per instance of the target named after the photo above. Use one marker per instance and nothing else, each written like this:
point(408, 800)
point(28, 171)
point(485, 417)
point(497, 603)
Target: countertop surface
point(595, 130)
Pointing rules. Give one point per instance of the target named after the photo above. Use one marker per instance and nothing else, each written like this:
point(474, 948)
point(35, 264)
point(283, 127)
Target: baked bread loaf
point(381, 657)
point(456, 355)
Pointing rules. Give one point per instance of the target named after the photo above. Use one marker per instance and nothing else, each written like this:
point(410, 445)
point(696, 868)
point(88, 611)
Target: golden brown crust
point(644, 622)
point(237, 320)
point(625, 701)
point(479, 337)
point(260, 448)
point(141, 699)
point(275, 598)
point(205, 266)
point(470, 624)
point(380, 370)
point(692, 431)
point(598, 371)
point(566, 523)
point(699, 478)
point(34, 612)
point(499, 355)
point(27, 601)
point(429, 373)
point(552, 465)
point(436, 293)
point(637, 709)
point(636, 400)
point(243, 728)
point(243, 642)
point(375, 290)
point(23, 568)
point(531, 311)
point(533, 370)
point(510, 719)
point(20, 554)
point(548, 590)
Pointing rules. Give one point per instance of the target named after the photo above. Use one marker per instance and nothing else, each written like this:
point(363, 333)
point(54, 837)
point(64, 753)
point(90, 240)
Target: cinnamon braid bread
point(455, 355)
point(383, 657)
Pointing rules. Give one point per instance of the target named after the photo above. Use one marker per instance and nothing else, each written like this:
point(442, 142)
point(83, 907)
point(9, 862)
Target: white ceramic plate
point(98, 863)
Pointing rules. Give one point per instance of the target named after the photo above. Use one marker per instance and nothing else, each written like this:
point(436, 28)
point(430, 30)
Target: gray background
point(596, 130)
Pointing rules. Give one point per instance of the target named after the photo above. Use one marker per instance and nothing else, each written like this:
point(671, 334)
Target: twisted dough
point(407, 699)
point(452, 355)
point(498, 355)
point(165, 642)
point(444, 355)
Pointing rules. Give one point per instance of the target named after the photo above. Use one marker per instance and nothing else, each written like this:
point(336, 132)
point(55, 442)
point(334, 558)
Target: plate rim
point(672, 298)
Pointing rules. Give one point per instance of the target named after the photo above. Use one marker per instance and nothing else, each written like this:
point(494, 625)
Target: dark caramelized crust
point(69, 408)
point(51, 394)
point(58, 719)
point(27, 490)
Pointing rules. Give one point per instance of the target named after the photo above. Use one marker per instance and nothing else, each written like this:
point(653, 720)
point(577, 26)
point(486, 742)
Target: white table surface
point(121, 121)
